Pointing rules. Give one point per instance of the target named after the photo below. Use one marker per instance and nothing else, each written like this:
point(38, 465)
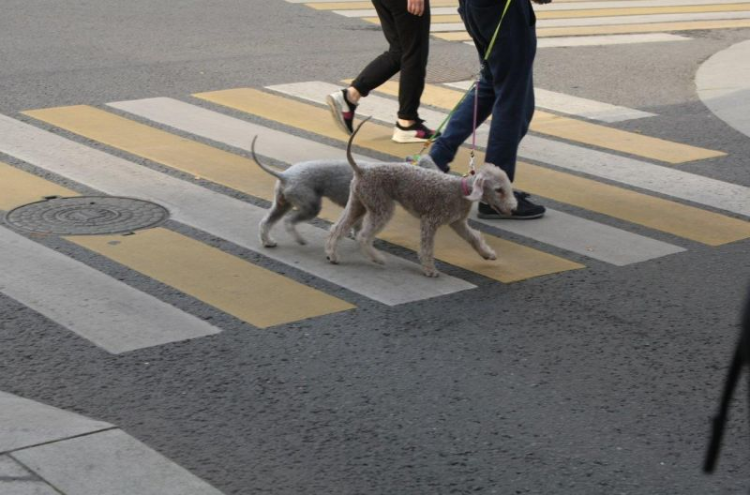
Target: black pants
point(409, 38)
point(506, 85)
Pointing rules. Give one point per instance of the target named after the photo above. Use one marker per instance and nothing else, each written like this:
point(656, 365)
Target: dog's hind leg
point(374, 222)
point(305, 211)
point(474, 237)
point(351, 215)
point(279, 208)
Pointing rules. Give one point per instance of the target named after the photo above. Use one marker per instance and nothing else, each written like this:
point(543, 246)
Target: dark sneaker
point(526, 210)
point(415, 133)
point(342, 110)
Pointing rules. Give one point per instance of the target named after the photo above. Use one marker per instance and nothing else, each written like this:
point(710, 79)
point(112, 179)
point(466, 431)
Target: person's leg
point(511, 66)
point(461, 124)
point(510, 63)
point(414, 38)
point(343, 103)
point(387, 64)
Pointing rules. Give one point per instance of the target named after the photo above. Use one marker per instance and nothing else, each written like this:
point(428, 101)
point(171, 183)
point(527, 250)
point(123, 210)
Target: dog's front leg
point(427, 248)
point(351, 215)
point(473, 237)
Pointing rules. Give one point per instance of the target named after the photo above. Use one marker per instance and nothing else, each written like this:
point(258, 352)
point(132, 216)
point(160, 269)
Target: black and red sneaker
point(342, 110)
point(415, 133)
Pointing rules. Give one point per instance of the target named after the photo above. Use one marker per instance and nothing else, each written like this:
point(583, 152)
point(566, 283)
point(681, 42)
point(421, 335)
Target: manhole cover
point(87, 215)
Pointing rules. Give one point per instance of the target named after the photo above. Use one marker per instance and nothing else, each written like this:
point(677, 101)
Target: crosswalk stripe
point(339, 4)
point(57, 286)
point(644, 28)
point(629, 4)
point(631, 11)
point(605, 40)
point(358, 4)
point(399, 282)
point(581, 131)
point(516, 262)
point(573, 105)
point(445, 15)
point(671, 182)
point(574, 234)
point(619, 29)
point(667, 216)
point(251, 293)
point(450, 23)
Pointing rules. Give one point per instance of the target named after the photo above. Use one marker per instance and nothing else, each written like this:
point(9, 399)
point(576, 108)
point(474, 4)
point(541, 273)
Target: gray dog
point(433, 197)
point(303, 186)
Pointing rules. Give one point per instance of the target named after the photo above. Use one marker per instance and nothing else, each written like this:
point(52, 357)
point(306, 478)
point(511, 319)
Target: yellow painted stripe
point(368, 5)
point(248, 292)
point(581, 131)
point(619, 29)
point(159, 146)
point(18, 187)
point(251, 293)
point(677, 9)
point(619, 12)
point(516, 262)
point(643, 28)
point(659, 214)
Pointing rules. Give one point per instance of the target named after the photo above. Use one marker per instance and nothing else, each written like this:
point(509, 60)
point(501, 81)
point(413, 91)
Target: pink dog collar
point(465, 186)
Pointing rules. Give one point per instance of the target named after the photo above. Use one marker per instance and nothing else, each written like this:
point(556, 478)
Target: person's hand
point(415, 7)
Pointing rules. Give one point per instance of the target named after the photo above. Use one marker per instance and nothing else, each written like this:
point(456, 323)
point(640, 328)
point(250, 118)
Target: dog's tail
point(349, 157)
point(264, 167)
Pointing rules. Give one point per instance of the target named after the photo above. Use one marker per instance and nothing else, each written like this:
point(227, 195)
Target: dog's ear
point(477, 189)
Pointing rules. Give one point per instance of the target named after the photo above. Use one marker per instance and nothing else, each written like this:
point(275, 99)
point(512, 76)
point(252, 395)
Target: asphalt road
point(593, 381)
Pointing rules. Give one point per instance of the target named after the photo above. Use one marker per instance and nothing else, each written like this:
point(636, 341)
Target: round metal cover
point(87, 215)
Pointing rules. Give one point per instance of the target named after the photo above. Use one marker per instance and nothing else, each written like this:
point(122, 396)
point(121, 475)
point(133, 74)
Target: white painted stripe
point(373, 12)
point(605, 40)
point(400, 281)
point(110, 463)
point(651, 177)
point(591, 239)
point(627, 4)
point(664, 180)
point(723, 84)
point(109, 313)
point(24, 422)
point(449, 27)
point(322, 1)
point(229, 130)
point(574, 105)
point(577, 235)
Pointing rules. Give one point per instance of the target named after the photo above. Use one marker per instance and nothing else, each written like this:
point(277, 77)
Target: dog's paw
point(301, 241)
point(430, 272)
point(489, 255)
point(378, 259)
point(269, 243)
point(332, 258)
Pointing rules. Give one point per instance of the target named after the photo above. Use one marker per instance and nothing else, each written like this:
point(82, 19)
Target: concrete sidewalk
point(48, 451)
